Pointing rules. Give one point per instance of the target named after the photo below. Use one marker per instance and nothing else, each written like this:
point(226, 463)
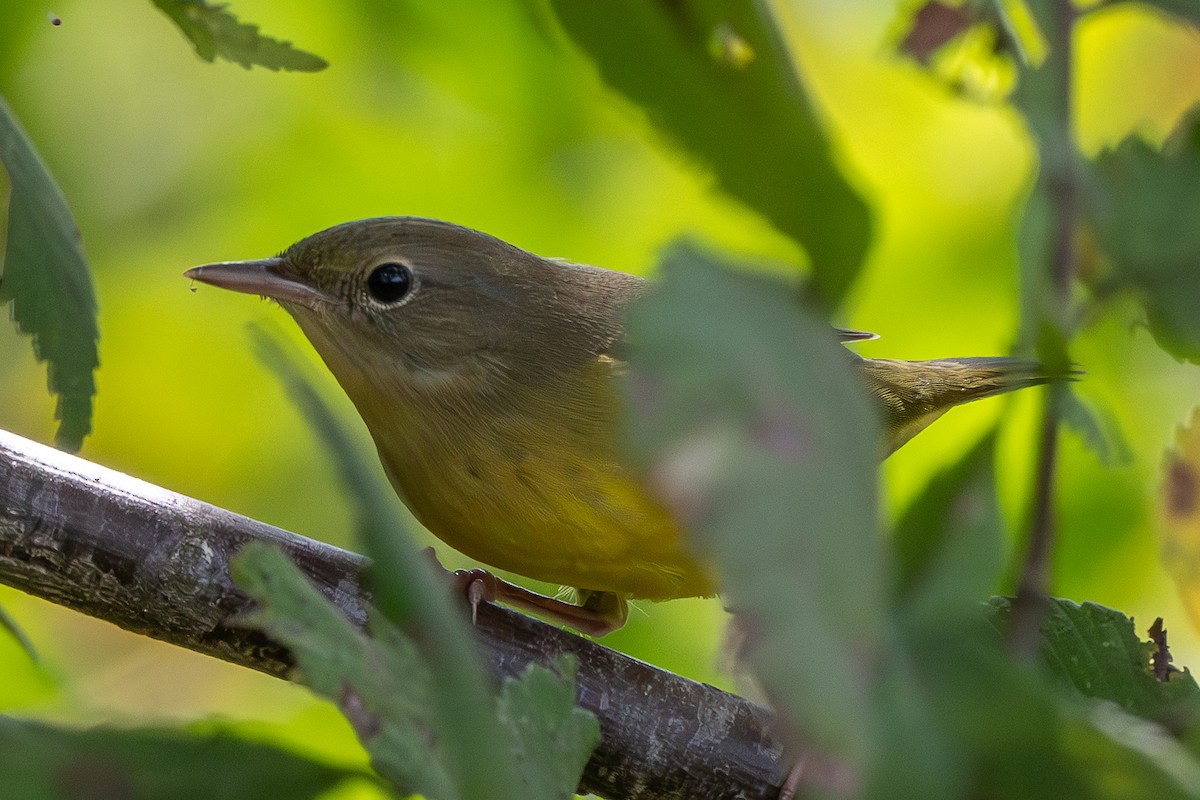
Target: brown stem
point(1030, 603)
point(157, 563)
point(1061, 182)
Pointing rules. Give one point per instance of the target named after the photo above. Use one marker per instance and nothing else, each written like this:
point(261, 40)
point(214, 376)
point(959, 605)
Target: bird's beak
point(267, 277)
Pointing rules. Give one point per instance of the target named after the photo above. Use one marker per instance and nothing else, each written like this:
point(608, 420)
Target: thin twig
point(1061, 179)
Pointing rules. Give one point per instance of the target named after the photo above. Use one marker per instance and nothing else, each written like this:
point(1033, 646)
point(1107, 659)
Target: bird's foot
point(597, 614)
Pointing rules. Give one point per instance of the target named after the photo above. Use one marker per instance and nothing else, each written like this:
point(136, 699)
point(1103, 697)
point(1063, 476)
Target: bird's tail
point(976, 378)
point(912, 394)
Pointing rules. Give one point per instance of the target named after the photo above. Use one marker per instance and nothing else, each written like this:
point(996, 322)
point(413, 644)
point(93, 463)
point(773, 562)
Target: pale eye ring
point(389, 283)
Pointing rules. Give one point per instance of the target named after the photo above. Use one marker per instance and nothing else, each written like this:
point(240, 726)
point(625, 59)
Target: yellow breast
point(541, 493)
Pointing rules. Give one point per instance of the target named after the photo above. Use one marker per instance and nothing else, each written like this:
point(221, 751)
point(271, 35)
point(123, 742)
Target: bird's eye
point(388, 283)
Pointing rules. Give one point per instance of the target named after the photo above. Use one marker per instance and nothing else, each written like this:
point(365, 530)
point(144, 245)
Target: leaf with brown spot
point(934, 25)
point(1180, 515)
point(1096, 650)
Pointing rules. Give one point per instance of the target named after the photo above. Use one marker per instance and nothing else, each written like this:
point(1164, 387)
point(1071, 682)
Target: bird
point(486, 377)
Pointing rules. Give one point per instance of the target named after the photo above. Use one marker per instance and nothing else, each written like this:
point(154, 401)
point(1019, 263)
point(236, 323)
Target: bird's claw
point(478, 586)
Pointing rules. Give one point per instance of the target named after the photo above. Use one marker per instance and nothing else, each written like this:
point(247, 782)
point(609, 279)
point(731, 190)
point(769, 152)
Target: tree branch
point(157, 563)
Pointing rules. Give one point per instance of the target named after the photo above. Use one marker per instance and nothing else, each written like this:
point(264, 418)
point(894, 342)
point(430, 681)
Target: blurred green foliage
point(743, 443)
point(482, 114)
point(42, 762)
point(948, 544)
point(385, 685)
point(380, 682)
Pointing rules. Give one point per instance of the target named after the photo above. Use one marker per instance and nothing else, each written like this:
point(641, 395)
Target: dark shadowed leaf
point(1019, 736)
point(948, 554)
point(1143, 206)
point(918, 755)
point(750, 422)
point(215, 32)
point(40, 761)
point(717, 78)
point(1097, 428)
point(948, 543)
point(45, 279)
point(553, 737)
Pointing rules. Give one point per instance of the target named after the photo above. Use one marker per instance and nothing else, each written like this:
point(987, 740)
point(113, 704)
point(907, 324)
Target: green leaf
point(39, 761)
point(974, 688)
point(382, 684)
point(215, 32)
point(1098, 429)
point(918, 755)
point(1143, 206)
point(1125, 756)
point(1097, 651)
point(748, 418)
point(1019, 736)
point(553, 736)
point(45, 277)
point(411, 596)
point(9, 624)
point(949, 542)
point(717, 77)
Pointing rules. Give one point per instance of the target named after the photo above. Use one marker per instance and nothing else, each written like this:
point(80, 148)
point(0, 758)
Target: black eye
point(389, 282)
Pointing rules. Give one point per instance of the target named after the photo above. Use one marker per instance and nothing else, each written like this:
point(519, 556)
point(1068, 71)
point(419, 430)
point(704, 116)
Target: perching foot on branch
point(597, 614)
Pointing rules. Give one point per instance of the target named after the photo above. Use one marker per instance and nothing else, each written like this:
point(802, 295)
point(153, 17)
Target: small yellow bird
point(485, 376)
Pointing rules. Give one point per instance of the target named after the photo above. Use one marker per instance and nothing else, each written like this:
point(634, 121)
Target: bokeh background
point(483, 114)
